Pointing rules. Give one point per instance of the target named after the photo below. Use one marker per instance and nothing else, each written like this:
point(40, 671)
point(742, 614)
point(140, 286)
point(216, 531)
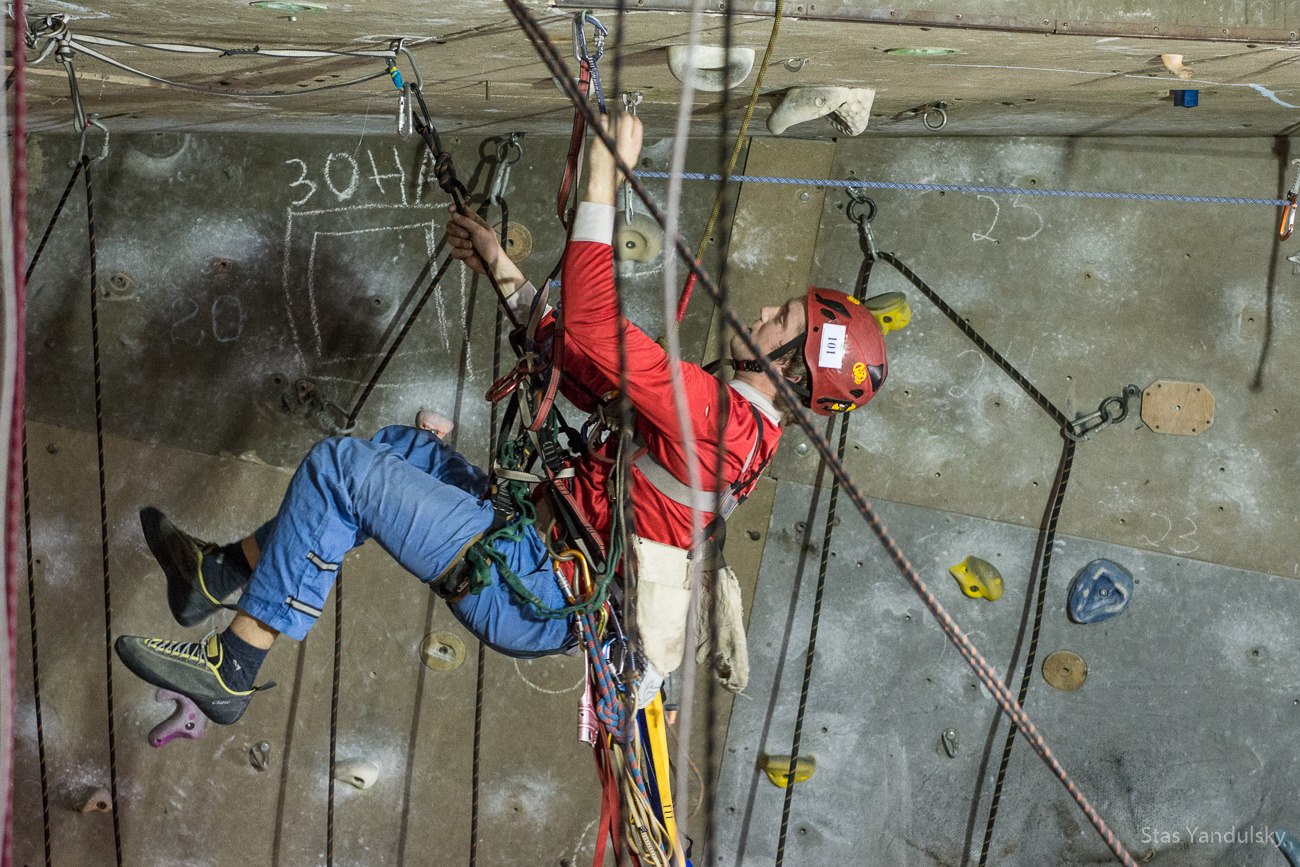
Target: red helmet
point(844, 351)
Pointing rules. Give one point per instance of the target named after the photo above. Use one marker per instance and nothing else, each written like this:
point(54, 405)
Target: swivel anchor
point(1110, 411)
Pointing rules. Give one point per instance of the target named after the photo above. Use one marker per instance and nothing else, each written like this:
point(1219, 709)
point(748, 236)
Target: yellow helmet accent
point(978, 579)
point(891, 310)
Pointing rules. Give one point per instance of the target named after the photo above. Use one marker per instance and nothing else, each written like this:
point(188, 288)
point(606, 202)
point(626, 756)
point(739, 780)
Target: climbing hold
point(1184, 408)
point(99, 801)
point(1288, 845)
point(442, 651)
point(434, 423)
point(949, 741)
point(978, 579)
point(187, 721)
point(1065, 670)
point(641, 240)
point(259, 755)
point(1174, 63)
point(891, 310)
point(1099, 591)
point(716, 69)
point(777, 769)
point(357, 773)
point(848, 107)
point(518, 242)
point(1186, 98)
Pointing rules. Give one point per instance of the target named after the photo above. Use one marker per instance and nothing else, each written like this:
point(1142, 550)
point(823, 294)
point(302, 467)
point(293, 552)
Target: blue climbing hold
point(1099, 592)
point(1288, 846)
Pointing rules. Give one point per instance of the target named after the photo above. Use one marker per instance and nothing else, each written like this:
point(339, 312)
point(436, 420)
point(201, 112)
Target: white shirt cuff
point(594, 222)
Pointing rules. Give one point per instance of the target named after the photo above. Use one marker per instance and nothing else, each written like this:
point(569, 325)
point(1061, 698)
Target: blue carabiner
point(580, 22)
point(396, 75)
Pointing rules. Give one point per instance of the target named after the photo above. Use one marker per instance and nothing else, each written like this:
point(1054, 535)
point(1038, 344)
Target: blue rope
point(965, 188)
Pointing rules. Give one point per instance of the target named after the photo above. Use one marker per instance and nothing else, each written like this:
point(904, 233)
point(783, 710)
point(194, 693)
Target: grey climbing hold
point(716, 69)
point(1099, 591)
point(849, 108)
point(357, 773)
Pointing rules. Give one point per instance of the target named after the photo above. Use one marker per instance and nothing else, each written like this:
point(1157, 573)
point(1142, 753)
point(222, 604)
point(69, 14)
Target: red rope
point(13, 492)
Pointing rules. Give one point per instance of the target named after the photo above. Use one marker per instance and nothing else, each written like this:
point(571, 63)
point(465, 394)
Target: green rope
point(483, 555)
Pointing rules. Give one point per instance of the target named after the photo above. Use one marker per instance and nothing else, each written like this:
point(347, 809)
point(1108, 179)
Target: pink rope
point(13, 494)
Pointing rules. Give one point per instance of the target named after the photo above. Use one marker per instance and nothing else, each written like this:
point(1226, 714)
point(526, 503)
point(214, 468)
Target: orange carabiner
point(1288, 217)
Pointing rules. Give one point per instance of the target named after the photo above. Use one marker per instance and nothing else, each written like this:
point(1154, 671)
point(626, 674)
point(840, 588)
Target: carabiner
point(1288, 211)
point(406, 113)
point(866, 238)
point(580, 22)
point(1288, 217)
point(93, 120)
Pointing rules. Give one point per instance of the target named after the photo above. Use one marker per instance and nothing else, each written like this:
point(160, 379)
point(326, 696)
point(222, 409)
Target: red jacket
point(591, 357)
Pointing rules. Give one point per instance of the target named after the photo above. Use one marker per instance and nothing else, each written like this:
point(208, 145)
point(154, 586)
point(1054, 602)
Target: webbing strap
point(572, 162)
point(721, 503)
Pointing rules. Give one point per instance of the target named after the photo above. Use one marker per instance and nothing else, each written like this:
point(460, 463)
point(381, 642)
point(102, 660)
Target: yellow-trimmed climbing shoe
point(181, 557)
point(190, 668)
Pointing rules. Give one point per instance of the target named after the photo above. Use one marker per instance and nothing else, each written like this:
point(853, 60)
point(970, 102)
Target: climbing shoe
point(191, 668)
point(199, 574)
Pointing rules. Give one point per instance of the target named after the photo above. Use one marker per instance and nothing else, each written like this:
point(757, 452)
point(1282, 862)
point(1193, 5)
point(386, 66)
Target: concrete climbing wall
point(234, 266)
point(231, 267)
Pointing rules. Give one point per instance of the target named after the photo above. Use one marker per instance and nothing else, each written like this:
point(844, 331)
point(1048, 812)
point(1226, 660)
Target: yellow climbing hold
point(777, 769)
point(978, 579)
point(891, 310)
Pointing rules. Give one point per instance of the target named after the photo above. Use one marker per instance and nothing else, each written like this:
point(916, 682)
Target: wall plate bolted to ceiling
point(289, 8)
point(921, 52)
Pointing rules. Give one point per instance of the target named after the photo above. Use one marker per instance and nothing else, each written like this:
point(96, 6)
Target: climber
point(426, 505)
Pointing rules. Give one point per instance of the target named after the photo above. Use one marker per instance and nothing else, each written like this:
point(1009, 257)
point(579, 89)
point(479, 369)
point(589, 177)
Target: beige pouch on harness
point(663, 597)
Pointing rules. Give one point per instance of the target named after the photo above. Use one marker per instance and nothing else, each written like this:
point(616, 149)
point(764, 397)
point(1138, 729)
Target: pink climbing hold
point(186, 722)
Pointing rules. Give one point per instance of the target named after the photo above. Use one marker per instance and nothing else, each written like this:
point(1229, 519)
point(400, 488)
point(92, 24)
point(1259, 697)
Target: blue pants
point(422, 502)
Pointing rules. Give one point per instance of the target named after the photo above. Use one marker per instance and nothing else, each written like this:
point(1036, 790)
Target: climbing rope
point(1038, 592)
point(1072, 432)
point(969, 188)
point(986, 674)
point(17, 487)
point(49, 228)
point(98, 373)
point(334, 716)
point(796, 741)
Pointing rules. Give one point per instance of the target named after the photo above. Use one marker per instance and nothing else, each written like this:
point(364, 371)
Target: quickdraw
point(1289, 210)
